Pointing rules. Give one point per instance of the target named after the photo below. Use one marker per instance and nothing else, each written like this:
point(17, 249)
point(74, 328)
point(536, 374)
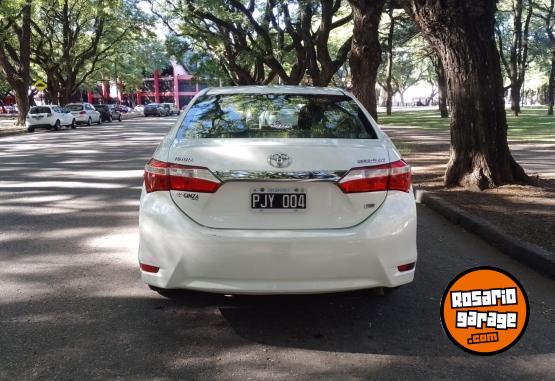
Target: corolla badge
point(279, 160)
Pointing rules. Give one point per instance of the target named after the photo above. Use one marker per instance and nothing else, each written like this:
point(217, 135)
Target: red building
point(172, 85)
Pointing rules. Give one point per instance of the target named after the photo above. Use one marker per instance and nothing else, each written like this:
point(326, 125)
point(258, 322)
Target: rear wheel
point(99, 120)
point(89, 121)
point(73, 124)
point(119, 118)
point(30, 129)
point(57, 126)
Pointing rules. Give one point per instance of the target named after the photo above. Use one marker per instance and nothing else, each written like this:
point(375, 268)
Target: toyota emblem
point(279, 160)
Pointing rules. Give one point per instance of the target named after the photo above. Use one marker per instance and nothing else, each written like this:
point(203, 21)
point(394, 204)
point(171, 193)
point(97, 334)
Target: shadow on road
point(72, 304)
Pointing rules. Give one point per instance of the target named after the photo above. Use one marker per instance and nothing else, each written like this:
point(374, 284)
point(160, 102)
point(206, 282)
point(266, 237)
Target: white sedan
point(279, 189)
point(49, 116)
point(84, 113)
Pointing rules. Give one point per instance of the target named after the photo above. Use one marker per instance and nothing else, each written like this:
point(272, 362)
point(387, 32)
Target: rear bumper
point(277, 261)
point(152, 112)
point(38, 125)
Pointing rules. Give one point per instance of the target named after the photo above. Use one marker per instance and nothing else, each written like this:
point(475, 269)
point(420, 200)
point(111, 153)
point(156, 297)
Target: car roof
point(275, 89)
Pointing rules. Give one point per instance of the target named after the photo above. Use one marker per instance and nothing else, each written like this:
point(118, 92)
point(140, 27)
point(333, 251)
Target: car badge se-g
point(279, 160)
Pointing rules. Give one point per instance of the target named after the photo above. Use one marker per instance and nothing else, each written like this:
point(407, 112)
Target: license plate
point(288, 201)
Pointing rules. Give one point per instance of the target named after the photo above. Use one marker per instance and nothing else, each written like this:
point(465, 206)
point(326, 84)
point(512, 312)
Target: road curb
point(527, 253)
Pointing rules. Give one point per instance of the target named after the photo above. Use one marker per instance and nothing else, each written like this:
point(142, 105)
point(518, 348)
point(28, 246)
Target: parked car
point(171, 108)
point(108, 113)
point(123, 109)
point(139, 109)
point(11, 109)
point(84, 113)
point(155, 109)
point(276, 190)
point(50, 116)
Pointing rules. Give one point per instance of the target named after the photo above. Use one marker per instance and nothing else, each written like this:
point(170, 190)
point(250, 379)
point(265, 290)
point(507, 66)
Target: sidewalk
point(525, 212)
point(7, 127)
point(537, 158)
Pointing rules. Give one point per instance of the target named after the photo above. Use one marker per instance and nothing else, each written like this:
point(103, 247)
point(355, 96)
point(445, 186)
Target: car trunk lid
point(251, 166)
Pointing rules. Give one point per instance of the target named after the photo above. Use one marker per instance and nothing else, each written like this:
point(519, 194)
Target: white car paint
point(84, 112)
point(217, 242)
point(48, 116)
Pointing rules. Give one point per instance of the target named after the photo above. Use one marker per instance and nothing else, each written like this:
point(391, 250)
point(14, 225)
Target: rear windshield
point(102, 107)
point(75, 107)
point(276, 116)
point(39, 110)
point(152, 105)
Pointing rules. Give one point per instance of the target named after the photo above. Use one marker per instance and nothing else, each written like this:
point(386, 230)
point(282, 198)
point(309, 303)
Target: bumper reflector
point(149, 268)
point(407, 267)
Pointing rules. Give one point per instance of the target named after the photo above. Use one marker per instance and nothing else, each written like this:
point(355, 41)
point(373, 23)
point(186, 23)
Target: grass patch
point(403, 147)
point(428, 119)
point(533, 124)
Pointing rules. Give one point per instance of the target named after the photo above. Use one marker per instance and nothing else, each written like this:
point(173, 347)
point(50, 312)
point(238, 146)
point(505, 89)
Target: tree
point(546, 12)
point(73, 37)
point(435, 75)
point(397, 74)
point(259, 40)
point(441, 85)
point(15, 51)
point(517, 61)
point(389, 53)
point(462, 33)
point(405, 72)
point(365, 51)
point(5, 89)
point(127, 66)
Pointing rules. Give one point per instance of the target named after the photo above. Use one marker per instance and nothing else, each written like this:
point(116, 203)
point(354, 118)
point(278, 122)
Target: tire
point(30, 129)
point(57, 126)
point(119, 118)
point(99, 120)
point(89, 121)
point(73, 124)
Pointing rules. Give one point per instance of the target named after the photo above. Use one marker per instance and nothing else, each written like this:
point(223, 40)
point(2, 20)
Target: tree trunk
point(462, 33)
point(551, 86)
point(365, 51)
point(53, 90)
point(517, 62)
point(21, 90)
point(16, 63)
point(516, 88)
point(442, 89)
point(388, 87)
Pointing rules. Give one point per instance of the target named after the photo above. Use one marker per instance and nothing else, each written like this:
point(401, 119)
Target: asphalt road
point(72, 305)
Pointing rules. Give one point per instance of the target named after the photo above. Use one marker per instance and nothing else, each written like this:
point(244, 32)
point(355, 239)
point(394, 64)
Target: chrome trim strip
point(302, 176)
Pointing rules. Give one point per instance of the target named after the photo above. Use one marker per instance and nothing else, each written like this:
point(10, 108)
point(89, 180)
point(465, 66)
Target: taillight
point(149, 268)
point(162, 176)
point(406, 267)
point(392, 176)
point(82, 112)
